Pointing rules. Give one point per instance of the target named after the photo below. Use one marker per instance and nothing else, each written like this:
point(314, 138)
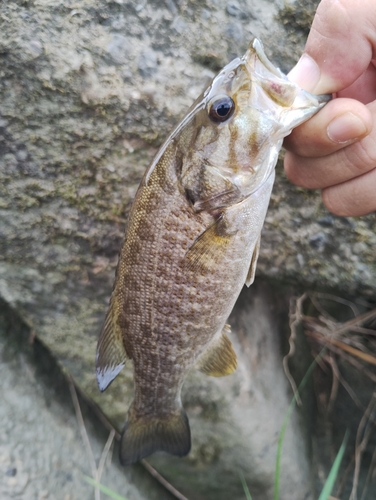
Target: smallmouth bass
point(192, 241)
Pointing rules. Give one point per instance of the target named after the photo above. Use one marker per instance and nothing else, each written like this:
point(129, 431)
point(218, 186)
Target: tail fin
point(143, 436)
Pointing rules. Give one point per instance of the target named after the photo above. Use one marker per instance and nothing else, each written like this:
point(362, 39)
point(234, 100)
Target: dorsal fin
point(111, 353)
point(220, 358)
point(252, 267)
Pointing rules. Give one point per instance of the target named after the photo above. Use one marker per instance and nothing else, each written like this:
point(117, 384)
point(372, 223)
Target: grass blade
point(329, 483)
point(245, 486)
point(285, 423)
point(104, 489)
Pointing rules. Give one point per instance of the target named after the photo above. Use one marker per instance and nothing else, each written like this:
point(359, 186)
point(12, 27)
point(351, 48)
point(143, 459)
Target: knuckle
point(303, 142)
point(293, 170)
point(334, 202)
point(365, 155)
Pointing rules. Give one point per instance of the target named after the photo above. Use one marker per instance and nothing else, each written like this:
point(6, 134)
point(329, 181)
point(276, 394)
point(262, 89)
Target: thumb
point(340, 46)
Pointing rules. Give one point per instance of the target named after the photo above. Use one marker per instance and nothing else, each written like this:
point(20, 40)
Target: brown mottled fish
point(192, 242)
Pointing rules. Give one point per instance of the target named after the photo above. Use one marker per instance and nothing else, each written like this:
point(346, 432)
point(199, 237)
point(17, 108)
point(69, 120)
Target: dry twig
point(84, 435)
point(353, 341)
point(116, 435)
point(295, 319)
point(361, 443)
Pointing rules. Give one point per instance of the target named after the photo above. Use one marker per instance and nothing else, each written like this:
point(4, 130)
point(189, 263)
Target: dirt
point(42, 453)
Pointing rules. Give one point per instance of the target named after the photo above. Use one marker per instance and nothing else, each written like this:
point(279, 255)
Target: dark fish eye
point(221, 109)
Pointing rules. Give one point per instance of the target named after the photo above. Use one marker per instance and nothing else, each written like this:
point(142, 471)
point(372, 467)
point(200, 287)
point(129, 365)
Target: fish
point(192, 242)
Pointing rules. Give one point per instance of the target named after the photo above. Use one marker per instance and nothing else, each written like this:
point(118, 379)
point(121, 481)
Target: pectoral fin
point(111, 353)
point(252, 268)
point(220, 358)
point(205, 254)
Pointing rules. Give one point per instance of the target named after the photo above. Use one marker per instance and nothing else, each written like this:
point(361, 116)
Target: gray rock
point(79, 124)
point(318, 240)
point(234, 30)
point(326, 221)
point(119, 48)
point(147, 63)
point(234, 9)
point(35, 48)
point(42, 452)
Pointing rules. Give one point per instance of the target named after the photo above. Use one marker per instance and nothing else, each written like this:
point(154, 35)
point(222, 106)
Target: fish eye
point(221, 108)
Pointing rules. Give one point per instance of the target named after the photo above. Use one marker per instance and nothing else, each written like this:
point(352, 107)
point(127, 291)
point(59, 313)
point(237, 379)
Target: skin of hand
point(336, 149)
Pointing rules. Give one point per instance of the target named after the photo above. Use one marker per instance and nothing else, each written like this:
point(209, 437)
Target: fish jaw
point(290, 104)
point(304, 107)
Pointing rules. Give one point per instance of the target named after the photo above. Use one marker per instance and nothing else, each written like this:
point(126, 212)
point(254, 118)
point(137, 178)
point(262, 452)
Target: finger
point(352, 198)
point(364, 88)
point(339, 123)
point(340, 166)
point(340, 46)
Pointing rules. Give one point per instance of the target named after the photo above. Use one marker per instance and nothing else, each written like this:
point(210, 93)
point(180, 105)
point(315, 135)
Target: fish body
point(192, 242)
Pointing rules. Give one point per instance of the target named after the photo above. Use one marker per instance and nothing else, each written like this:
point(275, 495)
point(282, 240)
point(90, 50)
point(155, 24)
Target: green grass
point(284, 427)
point(245, 486)
point(104, 489)
point(331, 479)
point(329, 483)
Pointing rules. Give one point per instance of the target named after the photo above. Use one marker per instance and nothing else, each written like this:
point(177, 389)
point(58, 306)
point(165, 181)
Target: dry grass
point(335, 344)
point(114, 434)
point(95, 471)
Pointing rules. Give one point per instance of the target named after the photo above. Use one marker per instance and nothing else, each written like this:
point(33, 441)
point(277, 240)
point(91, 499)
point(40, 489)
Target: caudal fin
point(143, 436)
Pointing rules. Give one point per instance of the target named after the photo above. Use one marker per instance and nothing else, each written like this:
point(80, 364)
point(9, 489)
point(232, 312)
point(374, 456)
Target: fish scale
point(192, 242)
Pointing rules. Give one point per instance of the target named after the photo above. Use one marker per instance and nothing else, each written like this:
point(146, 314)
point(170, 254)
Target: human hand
point(336, 149)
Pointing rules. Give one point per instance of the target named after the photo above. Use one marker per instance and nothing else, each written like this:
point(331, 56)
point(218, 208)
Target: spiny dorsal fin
point(252, 267)
point(142, 436)
point(111, 354)
point(220, 358)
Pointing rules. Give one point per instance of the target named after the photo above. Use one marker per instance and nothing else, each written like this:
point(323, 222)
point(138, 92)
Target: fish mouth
point(287, 101)
point(256, 50)
point(323, 98)
point(258, 64)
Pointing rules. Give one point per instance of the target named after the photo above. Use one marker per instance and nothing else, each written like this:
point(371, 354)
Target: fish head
point(227, 145)
point(241, 119)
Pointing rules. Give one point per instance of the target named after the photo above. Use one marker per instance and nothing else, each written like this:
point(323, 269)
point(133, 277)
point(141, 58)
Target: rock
point(119, 48)
point(234, 30)
point(42, 453)
point(83, 112)
point(147, 64)
point(233, 8)
point(318, 240)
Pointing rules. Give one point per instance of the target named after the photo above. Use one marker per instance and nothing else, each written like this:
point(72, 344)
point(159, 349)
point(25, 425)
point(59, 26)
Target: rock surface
point(88, 91)
point(42, 453)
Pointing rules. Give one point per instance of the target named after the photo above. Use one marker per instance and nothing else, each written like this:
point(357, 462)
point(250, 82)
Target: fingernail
point(306, 73)
point(345, 128)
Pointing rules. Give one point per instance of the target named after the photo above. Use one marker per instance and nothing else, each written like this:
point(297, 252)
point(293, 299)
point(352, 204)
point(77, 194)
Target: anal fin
point(111, 354)
point(252, 267)
point(220, 358)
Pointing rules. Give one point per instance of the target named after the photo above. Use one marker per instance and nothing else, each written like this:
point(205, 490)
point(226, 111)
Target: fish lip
point(324, 98)
point(317, 101)
point(256, 48)
point(256, 53)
